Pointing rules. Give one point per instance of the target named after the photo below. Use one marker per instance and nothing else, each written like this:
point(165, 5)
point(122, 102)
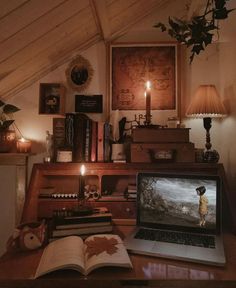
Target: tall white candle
point(81, 182)
point(148, 102)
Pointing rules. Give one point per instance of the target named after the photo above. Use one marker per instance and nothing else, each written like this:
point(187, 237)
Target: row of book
point(131, 192)
point(80, 225)
point(88, 140)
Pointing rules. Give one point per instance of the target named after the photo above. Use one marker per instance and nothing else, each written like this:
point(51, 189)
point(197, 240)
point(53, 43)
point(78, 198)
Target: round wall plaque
point(79, 73)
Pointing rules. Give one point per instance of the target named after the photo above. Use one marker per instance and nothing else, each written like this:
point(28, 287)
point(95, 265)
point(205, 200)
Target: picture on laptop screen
point(181, 201)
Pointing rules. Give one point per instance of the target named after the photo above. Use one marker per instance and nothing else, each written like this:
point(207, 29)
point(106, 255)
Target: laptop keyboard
point(206, 241)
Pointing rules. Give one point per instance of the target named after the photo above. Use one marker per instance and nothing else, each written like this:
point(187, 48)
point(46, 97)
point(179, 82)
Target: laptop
point(178, 217)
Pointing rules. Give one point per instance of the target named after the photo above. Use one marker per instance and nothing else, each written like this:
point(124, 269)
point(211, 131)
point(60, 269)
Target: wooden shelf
point(65, 178)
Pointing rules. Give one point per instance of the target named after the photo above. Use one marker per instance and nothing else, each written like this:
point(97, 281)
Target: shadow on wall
point(230, 100)
point(38, 146)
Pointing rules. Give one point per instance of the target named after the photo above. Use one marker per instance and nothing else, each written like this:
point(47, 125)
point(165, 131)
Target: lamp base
point(211, 156)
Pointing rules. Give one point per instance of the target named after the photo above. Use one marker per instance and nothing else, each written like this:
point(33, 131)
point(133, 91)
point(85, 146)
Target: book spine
point(81, 225)
point(58, 134)
point(69, 130)
point(94, 143)
point(76, 220)
point(79, 133)
point(100, 144)
point(87, 140)
point(107, 137)
point(80, 231)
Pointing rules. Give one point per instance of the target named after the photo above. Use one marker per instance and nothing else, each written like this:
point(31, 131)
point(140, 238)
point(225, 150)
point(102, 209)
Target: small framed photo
point(88, 103)
point(51, 98)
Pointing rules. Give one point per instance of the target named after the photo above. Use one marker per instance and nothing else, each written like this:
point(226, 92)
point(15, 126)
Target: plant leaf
point(6, 124)
point(222, 13)
point(175, 26)
point(161, 26)
point(219, 4)
point(208, 39)
point(191, 58)
point(8, 108)
point(197, 48)
point(101, 244)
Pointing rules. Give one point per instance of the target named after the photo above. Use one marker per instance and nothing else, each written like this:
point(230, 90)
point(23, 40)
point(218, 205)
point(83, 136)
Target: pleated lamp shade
point(206, 103)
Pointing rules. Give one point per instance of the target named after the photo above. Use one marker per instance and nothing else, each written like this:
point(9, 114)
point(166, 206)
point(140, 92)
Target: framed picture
point(88, 103)
point(79, 73)
point(51, 98)
point(132, 65)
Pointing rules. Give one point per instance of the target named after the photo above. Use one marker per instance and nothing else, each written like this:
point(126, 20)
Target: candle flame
point(145, 94)
point(82, 170)
point(22, 139)
point(148, 85)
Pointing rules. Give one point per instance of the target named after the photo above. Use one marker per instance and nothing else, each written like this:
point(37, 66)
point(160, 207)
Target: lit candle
point(81, 181)
point(23, 145)
point(148, 103)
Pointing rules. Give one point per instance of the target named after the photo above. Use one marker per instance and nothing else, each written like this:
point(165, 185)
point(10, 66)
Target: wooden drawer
point(119, 209)
point(46, 207)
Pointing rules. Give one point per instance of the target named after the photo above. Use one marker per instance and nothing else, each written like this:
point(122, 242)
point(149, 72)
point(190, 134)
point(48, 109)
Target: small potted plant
point(7, 136)
point(118, 138)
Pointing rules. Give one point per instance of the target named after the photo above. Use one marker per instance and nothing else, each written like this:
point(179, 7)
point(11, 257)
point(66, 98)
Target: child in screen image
point(203, 208)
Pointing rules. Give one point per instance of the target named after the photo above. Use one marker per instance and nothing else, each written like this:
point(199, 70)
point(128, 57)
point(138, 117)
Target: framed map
point(132, 65)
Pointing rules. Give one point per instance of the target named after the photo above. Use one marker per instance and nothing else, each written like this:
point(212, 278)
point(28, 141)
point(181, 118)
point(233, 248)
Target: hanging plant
point(6, 111)
point(198, 32)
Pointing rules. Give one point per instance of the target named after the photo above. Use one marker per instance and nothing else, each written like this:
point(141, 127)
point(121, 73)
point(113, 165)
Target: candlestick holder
point(83, 206)
point(142, 119)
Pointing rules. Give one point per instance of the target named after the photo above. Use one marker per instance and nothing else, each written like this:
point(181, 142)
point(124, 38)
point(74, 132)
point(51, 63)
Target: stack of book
point(80, 225)
point(131, 192)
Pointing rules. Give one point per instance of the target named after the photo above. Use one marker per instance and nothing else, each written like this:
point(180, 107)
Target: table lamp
point(206, 104)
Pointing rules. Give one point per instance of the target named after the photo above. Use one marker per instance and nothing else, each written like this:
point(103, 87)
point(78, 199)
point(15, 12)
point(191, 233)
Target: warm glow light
point(148, 103)
point(145, 94)
point(206, 103)
point(23, 145)
point(148, 85)
point(82, 170)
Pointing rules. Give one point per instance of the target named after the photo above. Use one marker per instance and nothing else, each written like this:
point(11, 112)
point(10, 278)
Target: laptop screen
point(179, 202)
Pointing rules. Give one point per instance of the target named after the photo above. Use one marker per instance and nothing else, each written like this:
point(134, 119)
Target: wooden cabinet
point(111, 180)
point(13, 179)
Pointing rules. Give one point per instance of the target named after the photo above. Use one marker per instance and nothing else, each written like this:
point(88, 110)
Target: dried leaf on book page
point(101, 244)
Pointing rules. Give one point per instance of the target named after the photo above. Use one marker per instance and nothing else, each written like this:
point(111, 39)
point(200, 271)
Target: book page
point(64, 253)
point(105, 250)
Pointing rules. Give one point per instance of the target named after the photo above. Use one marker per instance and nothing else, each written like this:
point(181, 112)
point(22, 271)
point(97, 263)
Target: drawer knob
point(127, 209)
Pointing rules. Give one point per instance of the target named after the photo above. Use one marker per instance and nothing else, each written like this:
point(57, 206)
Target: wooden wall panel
point(38, 36)
point(49, 24)
point(25, 15)
point(7, 7)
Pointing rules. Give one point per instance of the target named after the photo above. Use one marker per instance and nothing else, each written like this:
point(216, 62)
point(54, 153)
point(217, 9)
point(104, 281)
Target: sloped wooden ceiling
point(37, 36)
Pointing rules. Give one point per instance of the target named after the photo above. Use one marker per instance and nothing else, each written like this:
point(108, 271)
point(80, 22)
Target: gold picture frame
point(79, 73)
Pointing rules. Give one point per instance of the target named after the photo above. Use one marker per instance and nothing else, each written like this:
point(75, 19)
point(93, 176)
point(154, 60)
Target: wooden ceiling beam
point(124, 26)
point(35, 71)
point(99, 10)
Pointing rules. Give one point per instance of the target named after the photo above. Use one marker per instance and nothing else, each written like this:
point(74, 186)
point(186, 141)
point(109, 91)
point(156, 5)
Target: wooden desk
point(17, 271)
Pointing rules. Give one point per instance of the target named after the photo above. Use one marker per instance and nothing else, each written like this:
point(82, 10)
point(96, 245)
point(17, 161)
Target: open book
point(84, 256)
